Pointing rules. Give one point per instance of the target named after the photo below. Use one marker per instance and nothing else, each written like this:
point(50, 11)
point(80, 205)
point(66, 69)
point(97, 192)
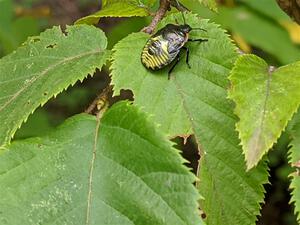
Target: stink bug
point(165, 45)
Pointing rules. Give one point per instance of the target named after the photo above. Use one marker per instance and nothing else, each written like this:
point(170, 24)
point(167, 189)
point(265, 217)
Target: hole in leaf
point(188, 146)
point(203, 215)
point(51, 46)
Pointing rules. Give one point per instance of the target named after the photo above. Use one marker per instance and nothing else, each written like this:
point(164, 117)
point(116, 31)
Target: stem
point(164, 6)
point(291, 7)
point(100, 102)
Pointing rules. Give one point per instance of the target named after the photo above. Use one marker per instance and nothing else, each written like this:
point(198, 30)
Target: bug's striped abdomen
point(155, 54)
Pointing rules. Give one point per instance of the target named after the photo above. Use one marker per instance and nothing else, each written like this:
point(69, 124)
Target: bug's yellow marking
point(155, 53)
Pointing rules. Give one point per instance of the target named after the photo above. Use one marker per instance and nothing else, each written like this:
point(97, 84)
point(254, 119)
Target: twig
point(164, 6)
point(100, 102)
point(291, 7)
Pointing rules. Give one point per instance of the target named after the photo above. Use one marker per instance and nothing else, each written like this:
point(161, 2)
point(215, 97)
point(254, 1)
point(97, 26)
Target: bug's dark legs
point(187, 56)
point(198, 40)
point(172, 68)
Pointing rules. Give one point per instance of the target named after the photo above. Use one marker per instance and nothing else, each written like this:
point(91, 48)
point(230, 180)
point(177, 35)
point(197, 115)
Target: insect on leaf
point(265, 102)
point(194, 101)
point(79, 174)
point(42, 68)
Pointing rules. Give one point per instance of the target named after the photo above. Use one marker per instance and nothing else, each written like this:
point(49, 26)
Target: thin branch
point(100, 102)
point(291, 7)
point(164, 6)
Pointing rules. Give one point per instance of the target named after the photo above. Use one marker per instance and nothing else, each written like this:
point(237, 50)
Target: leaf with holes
point(294, 159)
point(85, 176)
point(265, 102)
point(125, 8)
point(195, 101)
point(152, 90)
point(42, 68)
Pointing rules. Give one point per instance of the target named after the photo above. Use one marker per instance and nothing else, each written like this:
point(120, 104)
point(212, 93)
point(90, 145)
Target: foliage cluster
point(119, 166)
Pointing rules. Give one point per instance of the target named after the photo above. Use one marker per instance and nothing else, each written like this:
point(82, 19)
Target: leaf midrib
point(89, 198)
point(44, 72)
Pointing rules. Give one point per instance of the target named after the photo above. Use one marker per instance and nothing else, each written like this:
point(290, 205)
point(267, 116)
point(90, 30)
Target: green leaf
point(6, 14)
point(195, 101)
point(42, 68)
point(295, 162)
point(125, 28)
point(116, 9)
point(130, 175)
point(152, 90)
point(37, 124)
point(267, 36)
point(268, 8)
point(14, 32)
point(210, 4)
point(265, 102)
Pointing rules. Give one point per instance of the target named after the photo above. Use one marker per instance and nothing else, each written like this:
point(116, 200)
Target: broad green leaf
point(195, 101)
point(124, 172)
point(42, 68)
point(152, 90)
point(295, 162)
point(265, 102)
point(116, 9)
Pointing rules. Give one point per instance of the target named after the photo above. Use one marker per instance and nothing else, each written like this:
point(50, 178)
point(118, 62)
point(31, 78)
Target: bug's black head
point(185, 28)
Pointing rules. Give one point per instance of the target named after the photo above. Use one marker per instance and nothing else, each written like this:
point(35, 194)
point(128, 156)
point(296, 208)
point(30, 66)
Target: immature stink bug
point(165, 45)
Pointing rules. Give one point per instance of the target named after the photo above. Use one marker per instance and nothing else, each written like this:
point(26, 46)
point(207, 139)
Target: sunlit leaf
point(116, 9)
point(42, 68)
point(125, 172)
point(265, 102)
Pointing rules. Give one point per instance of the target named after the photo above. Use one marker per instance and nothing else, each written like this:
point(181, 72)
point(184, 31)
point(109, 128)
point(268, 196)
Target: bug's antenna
point(178, 5)
point(183, 17)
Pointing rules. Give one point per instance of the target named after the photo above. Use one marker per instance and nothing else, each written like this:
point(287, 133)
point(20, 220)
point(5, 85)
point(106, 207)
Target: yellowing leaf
point(293, 29)
point(265, 101)
point(241, 42)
